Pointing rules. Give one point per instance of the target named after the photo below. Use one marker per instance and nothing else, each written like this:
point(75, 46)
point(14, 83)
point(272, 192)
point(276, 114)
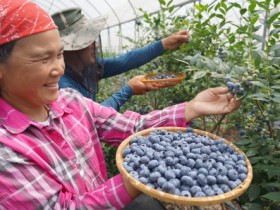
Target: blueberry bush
point(232, 44)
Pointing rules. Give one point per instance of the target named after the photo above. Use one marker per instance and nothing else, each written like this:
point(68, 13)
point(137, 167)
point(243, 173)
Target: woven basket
point(164, 82)
point(171, 198)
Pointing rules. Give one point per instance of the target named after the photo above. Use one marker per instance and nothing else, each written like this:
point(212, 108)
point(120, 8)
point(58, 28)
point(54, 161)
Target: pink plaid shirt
point(62, 166)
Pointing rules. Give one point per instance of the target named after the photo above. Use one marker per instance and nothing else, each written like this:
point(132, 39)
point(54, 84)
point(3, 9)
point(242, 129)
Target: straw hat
point(76, 31)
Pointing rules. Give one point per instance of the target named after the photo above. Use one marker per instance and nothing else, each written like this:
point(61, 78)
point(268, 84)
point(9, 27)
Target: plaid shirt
point(62, 166)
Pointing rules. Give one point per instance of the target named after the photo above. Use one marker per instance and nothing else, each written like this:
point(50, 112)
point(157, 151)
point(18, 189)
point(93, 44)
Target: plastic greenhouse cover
point(119, 11)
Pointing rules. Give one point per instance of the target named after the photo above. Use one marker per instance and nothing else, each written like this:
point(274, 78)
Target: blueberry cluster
point(184, 163)
point(234, 88)
point(163, 76)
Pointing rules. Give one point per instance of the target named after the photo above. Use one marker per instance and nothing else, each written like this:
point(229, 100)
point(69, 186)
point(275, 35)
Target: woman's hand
point(175, 40)
point(138, 87)
point(212, 101)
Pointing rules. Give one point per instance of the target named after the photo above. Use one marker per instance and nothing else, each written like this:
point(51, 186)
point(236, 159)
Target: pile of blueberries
point(163, 76)
point(234, 88)
point(184, 163)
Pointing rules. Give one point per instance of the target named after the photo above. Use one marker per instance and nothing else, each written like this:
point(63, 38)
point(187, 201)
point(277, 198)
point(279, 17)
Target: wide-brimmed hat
point(76, 31)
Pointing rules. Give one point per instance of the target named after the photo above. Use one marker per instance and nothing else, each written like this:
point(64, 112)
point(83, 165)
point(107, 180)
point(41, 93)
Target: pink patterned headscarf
point(21, 18)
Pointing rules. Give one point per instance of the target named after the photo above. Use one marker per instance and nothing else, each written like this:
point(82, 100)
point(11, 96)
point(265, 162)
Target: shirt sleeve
point(132, 59)
point(119, 98)
point(114, 127)
point(25, 185)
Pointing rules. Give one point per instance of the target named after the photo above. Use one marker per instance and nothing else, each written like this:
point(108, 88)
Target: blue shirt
point(87, 84)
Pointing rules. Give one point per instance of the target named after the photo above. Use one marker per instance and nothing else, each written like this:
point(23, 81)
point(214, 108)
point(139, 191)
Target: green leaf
point(242, 11)
point(275, 87)
point(259, 84)
point(257, 57)
point(254, 206)
point(257, 28)
point(243, 142)
point(259, 96)
point(194, 59)
point(275, 47)
point(217, 75)
point(254, 19)
point(199, 75)
point(259, 38)
point(275, 31)
point(272, 184)
point(162, 2)
point(276, 99)
point(273, 196)
point(253, 192)
point(220, 16)
point(252, 6)
point(231, 39)
point(254, 160)
point(272, 19)
point(251, 153)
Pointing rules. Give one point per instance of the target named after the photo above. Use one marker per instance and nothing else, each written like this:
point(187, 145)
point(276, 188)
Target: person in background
point(50, 139)
point(84, 68)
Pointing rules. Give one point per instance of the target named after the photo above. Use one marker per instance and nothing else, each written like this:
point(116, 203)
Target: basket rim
point(171, 198)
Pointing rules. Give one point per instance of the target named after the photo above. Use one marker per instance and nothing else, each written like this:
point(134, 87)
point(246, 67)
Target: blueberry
point(153, 164)
point(154, 139)
point(126, 151)
point(144, 173)
point(225, 188)
point(187, 180)
point(203, 171)
point(198, 163)
point(242, 176)
point(190, 163)
point(144, 159)
point(218, 191)
point(169, 174)
point(211, 180)
point(183, 160)
point(195, 189)
point(232, 184)
point(222, 179)
point(222, 170)
point(209, 192)
point(176, 182)
point(241, 169)
point(213, 172)
point(186, 193)
point(168, 187)
point(161, 181)
point(193, 174)
point(143, 180)
point(185, 170)
point(189, 130)
point(154, 176)
point(201, 179)
point(232, 174)
point(134, 174)
point(242, 133)
point(200, 194)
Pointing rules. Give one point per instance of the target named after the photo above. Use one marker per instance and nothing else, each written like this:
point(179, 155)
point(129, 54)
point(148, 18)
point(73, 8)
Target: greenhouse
point(158, 104)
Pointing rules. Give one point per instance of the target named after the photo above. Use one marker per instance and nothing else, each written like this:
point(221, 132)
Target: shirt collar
point(16, 122)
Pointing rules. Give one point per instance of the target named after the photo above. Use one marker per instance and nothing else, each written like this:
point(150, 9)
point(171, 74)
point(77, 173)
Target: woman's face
point(30, 75)
point(87, 55)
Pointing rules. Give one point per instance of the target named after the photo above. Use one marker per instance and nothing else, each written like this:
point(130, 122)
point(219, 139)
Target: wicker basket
point(164, 82)
point(171, 198)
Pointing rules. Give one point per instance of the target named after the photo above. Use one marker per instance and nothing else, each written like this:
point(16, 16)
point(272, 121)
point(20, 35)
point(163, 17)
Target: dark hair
point(6, 50)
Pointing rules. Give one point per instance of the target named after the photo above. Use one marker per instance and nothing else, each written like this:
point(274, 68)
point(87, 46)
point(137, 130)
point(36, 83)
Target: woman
point(81, 40)
point(50, 151)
